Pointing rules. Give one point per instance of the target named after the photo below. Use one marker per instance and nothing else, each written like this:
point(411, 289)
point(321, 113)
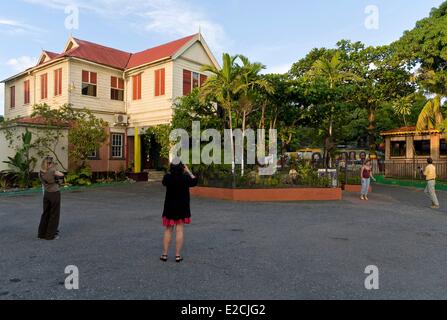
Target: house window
point(192, 80)
point(58, 82)
point(136, 85)
point(89, 83)
point(44, 86)
point(94, 155)
point(443, 148)
point(117, 89)
point(160, 82)
point(422, 147)
point(13, 97)
point(398, 148)
point(195, 80)
point(26, 92)
point(117, 145)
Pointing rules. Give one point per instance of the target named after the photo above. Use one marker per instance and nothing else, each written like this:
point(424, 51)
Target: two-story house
point(131, 91)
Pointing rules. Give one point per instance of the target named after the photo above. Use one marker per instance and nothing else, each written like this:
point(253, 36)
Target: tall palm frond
point(431, 115)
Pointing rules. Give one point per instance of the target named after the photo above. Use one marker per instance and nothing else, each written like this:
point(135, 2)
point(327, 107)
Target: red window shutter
point(93, 77)
point(42, 89)
point(26, 92)
point(85, 76)
point(46, 85)
point(162, 82)
point(157, 83)
point(43, 86)
point(134, 87)
point(186, 82)
point(60, 81)
point(203, 79)
point(114, 82)
point(121, 84)
point(13, 97)
point(139, 86)
point(56, 82)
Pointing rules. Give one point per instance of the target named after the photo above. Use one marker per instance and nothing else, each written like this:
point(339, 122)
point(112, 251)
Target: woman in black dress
point(176, 211)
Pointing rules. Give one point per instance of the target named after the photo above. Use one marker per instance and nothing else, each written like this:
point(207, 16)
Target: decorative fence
point(412, 169)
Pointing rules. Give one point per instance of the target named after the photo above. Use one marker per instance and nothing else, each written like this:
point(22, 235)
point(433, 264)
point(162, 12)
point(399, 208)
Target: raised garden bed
point(354, 188)
point(269, 195)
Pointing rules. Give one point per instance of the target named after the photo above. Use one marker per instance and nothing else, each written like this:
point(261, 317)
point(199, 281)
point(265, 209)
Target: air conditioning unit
point(121, 119)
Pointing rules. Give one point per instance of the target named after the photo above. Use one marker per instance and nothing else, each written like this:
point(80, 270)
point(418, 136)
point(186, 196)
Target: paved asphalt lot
point(233, 250)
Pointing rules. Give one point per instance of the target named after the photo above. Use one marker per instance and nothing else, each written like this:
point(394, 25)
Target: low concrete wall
point(7, 151)
point(270, 195)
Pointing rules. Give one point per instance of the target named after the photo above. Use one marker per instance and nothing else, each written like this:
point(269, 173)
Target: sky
point(276, 33)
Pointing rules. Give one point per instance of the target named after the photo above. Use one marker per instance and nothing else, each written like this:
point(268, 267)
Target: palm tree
point(222, 86)
point(250, 83)
point(331, 70)
point(431, 115)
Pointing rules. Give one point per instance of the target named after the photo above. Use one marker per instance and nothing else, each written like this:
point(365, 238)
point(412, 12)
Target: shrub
point(80, 177)
point(4, 184)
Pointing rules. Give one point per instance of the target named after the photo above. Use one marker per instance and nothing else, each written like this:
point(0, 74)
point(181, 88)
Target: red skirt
point(171, 222)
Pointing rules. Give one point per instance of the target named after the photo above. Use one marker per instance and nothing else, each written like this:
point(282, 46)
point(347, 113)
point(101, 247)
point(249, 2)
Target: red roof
point(120, 59)
point(164, 51)
point(50, 54)
point(97, 53)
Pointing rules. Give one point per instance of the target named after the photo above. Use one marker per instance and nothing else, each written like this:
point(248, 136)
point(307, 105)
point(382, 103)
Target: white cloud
point(281, 68)
point(178, 18)
point(21, 63)
point(14, 27)
point(168, 17)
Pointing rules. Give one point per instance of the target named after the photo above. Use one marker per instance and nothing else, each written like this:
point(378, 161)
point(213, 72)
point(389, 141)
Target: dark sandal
point(178, 259)
point(164, 258)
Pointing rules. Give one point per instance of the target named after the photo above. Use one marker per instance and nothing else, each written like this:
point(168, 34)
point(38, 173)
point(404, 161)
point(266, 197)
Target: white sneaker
point(362, 198)
point(366, 198)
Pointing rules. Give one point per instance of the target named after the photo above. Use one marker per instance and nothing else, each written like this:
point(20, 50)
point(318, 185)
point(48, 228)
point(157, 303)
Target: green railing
point(63, 189)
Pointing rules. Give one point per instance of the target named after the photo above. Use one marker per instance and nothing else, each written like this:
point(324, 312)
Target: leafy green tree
point(86, 132)
point(424, 48)
point(192, 107)
point(382, 80)
point(250, 83)
point(334, 74)
point(222, 87)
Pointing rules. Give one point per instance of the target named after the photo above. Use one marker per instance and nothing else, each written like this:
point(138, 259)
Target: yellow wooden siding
point(179, 65)
point(22, 109)
point(197, 53)
point(52, 100)
point(102, 103)
point(150, 110)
